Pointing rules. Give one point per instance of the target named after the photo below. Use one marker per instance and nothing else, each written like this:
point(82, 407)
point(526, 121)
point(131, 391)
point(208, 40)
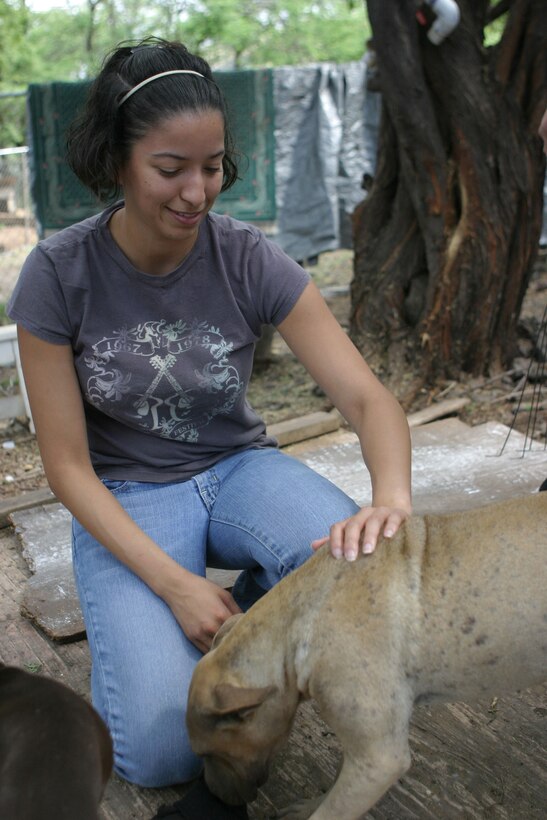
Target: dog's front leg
point(302, 809)
point(362, 781)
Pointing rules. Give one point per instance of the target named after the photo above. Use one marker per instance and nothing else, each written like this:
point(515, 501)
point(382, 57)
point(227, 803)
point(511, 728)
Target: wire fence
point(17, 225)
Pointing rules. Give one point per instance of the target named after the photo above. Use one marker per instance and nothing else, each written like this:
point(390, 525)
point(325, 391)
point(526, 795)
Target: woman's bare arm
point(316, 338)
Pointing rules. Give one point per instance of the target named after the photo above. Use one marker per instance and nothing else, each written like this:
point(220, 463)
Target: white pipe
point(448, 17)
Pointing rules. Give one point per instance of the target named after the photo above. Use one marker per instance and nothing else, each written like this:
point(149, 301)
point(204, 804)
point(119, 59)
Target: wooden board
point(23, 502)
point(467, 762)
point(304, 427)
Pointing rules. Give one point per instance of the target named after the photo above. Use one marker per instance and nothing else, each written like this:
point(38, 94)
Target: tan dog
point(453, 607)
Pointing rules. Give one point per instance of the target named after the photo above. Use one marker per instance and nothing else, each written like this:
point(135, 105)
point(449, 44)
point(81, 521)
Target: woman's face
point(173, 176)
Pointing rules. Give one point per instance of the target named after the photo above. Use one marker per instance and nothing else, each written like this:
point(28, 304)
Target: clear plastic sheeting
point(326, 136)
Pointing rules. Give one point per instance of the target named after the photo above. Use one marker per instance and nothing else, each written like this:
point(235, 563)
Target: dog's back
point(55, 751)
point(483, 584)
point(457, 599)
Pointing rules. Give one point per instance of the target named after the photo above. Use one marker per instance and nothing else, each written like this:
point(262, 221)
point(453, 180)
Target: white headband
point(156, 77)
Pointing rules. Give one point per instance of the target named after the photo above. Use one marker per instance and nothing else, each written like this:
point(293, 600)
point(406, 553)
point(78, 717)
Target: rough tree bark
point(446, 239)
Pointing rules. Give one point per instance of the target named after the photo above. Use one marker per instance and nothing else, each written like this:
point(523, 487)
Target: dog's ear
point(239, 700)
point(226, 627)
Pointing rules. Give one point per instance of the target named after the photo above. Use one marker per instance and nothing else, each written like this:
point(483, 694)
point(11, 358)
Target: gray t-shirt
point(163, 361)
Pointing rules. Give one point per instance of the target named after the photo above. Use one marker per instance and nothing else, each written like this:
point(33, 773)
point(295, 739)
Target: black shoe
point(200, 804)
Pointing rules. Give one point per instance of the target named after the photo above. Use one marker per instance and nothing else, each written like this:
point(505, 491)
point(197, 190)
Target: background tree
point(14, 65)
point(69, 43)
point(239, 34)
point(14, 23)
point(446, 239)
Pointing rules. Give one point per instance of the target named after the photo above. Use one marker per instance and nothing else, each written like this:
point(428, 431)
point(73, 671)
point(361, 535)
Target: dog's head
point(235, 726)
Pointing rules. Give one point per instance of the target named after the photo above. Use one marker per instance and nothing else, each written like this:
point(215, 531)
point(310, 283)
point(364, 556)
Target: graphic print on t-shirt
point(171, 379)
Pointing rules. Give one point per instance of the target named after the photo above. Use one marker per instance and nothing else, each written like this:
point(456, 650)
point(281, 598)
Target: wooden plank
point(24, 501)
point(304, 427)
point(222, 577)
point(12, 574)
point(467, 762)
point(124, 800)
point(440, 410)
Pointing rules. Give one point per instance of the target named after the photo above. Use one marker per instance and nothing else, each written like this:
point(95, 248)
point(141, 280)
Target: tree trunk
point(445, 241)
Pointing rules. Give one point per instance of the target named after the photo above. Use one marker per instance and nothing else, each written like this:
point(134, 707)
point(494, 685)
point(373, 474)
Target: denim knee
point(157, 759)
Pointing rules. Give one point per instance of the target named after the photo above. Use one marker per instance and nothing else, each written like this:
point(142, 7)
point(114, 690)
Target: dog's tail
point(543, 486)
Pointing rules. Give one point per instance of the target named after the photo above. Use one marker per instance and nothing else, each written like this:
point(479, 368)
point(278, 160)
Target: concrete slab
point(455, 467)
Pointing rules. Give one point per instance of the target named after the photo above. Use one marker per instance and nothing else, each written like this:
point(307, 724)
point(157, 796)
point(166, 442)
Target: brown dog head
point(236, 720)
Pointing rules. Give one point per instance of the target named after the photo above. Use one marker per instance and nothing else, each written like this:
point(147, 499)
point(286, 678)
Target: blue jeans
point(256, 511)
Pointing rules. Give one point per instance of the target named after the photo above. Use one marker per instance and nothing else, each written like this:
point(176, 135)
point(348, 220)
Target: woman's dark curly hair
point(100, 140)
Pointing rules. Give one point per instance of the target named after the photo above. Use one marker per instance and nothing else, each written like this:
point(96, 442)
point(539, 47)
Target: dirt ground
point(281, 389)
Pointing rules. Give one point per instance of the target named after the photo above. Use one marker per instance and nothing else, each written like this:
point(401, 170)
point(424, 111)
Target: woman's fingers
point(362, 531)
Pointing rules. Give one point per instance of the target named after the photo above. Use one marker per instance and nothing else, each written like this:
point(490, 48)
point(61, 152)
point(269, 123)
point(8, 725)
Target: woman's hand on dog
point(361, 531)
